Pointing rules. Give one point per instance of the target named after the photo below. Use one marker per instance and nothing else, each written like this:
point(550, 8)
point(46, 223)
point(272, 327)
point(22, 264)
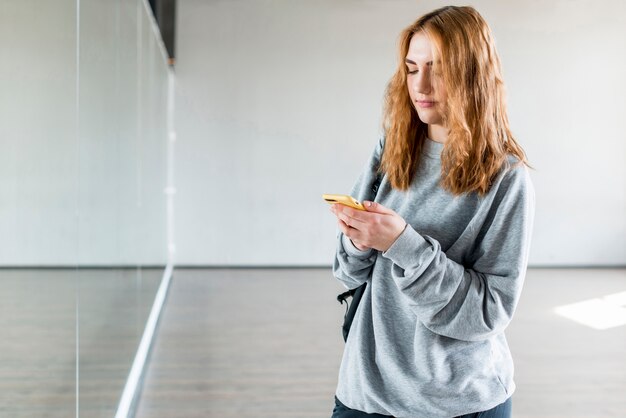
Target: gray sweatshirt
point(428, 336)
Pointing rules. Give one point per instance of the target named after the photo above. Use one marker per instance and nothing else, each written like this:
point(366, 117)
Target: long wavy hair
point(479, 138)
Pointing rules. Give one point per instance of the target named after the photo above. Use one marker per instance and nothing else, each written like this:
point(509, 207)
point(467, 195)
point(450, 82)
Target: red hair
point(479, 138)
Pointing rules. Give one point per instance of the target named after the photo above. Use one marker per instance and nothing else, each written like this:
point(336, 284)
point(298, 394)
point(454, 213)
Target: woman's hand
point(376, 227)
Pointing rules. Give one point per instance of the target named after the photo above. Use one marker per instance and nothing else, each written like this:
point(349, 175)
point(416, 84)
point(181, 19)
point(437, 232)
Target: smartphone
point(344, 200)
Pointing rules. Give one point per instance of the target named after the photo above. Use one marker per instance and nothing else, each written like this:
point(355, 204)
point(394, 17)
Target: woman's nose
point(421, 83)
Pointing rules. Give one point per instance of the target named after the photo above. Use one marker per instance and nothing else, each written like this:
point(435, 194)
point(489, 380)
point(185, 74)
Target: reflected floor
point(38, 328)
point(267, 343)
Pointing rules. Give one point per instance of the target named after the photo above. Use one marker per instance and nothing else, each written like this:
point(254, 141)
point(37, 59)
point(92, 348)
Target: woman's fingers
point(351, 222)
point(353, 234)
point(374, 207)
point(347, 229)
point(376, 229)
point(349, 216)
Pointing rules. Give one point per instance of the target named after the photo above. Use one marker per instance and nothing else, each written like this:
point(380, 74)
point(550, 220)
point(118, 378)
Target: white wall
point(82, 176)
point(279, 101)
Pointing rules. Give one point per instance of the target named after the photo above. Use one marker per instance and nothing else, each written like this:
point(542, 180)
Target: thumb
point(376, 207)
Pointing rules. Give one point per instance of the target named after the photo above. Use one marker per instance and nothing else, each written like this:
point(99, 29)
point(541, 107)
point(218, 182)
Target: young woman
point(444, 246)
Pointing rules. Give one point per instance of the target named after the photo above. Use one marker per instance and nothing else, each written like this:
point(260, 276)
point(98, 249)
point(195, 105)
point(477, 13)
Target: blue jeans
point(501, 411)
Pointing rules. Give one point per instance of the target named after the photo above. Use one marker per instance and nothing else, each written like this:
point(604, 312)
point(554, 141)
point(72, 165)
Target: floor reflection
point(38, 338)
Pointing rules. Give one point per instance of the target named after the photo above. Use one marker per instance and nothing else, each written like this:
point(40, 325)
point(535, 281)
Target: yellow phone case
point(344, 200)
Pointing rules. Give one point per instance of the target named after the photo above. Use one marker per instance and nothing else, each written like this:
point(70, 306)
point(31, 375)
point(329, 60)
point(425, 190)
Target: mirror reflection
point(83, 178)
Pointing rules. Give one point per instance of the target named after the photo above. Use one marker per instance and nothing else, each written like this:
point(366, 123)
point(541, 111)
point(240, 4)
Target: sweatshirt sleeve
point(471, 302)
point(351, 266)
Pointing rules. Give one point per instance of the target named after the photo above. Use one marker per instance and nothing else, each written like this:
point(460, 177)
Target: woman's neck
point(438, 133)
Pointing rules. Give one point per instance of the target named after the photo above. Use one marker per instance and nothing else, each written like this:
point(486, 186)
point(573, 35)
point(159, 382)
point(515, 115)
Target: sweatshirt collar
point(432, 148)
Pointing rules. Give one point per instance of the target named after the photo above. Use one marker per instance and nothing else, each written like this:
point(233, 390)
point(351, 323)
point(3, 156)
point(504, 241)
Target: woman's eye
point(411, 71)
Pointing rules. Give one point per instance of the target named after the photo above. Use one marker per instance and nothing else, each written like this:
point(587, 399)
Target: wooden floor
point(39, 314)
point(267, 343)
point(241, 343)
point(263, 343)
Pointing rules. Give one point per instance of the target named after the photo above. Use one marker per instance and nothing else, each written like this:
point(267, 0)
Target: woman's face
point(426, 89)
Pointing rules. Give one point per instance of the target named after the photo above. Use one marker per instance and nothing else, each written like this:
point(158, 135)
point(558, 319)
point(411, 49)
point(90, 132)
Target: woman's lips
point(425, 103)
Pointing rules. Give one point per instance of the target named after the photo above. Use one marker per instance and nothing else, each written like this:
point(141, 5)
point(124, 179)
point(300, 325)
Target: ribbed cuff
point(353, 251)
point(406, 247)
